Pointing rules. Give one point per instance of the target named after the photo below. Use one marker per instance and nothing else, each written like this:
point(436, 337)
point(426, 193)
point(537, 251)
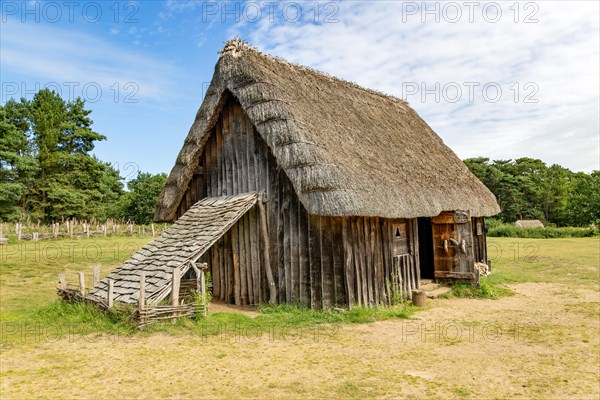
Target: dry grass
point(543, 342)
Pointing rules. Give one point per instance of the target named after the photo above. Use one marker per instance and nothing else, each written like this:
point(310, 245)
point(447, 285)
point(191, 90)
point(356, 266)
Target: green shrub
point(496, 228)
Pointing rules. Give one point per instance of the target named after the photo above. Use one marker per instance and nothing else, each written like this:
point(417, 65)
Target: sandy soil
point(541, 343)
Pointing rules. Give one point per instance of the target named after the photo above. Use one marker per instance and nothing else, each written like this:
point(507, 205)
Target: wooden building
point(351, 189)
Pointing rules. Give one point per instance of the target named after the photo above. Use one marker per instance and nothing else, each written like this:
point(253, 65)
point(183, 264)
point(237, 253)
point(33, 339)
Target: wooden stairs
point(433, 289)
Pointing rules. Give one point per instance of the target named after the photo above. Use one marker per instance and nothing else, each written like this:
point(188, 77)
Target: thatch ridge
point(347, 150)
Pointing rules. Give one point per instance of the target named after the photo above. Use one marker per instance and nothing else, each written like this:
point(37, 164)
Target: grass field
point(541, 341)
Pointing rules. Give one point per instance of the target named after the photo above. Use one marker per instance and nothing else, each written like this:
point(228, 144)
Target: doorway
point(425, 247)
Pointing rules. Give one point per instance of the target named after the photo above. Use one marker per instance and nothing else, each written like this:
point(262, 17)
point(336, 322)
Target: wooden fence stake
point(95, 274)
point(63, 280)
point(142, 299)
point(82, 283)
point(110, 294)
point(18, 230)
point(203, 290)
point(152, 230)
point(175, 286)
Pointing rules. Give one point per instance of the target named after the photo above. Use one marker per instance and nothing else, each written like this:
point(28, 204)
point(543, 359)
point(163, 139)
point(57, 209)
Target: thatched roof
point(184, 241)
point(529, 223)
point(347, 150)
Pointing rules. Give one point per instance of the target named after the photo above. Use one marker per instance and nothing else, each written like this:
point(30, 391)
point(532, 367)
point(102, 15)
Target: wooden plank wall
point(316, 261)
point(479, 239)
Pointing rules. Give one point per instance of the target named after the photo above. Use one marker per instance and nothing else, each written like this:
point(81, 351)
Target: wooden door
point(453, 247)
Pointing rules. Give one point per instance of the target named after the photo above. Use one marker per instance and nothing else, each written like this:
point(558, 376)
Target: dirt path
point(541, 343)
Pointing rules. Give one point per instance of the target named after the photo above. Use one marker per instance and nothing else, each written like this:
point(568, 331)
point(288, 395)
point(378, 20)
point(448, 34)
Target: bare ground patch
point(541, 343)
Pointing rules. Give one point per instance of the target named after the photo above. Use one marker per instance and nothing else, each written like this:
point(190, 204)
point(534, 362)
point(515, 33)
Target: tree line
point(47, 171)
point(527, 188)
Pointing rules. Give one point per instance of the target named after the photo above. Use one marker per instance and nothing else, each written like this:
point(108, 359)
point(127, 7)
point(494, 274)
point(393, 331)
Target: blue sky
point(496, 79)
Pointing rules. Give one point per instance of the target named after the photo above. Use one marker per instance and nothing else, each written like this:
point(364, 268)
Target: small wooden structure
point(183, 301)
point(335, 195)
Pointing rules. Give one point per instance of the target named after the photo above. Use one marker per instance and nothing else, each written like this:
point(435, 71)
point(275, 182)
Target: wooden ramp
point(179, 246)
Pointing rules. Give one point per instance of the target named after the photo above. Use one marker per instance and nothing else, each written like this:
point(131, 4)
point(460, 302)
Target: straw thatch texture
point(347, 150)
point(529, 223)
point(186, 240)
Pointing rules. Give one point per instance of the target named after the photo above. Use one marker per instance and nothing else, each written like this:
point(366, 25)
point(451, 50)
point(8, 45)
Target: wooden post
point(203, 290)
point(95, 274)
point(18, 230)
point(152, 230)
point(142, 298)
point(266, 251)
point(104, 230)
point(176, 279)
point(110, 294)
point(82, 283)
point(63, 280)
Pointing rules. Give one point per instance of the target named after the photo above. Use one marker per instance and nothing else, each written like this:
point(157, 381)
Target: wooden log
point(95, 274)
point(110, 293)
point(266, 252)
point(368, 259)
point(354, 228)
point(175, 285)
point(82, 283)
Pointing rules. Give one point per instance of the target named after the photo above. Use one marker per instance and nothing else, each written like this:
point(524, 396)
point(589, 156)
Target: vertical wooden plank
point(229, 294)
point(355, 229)
point(63, 280)
point(110, 293)
point(175, 285)
point(348, 261)
point(380, 282)
point(214, 170)
point(215, 269)
point(234, 151)
point(257, 280)
point(266, 252)
point(95, 274)
point(315, 260)
point(237, 286)
point(250, 154)
point(287, 243)
point(242, 261)
point(294, 253)
point(304, 261)
point(241, 145)
point(341, 298)
point(142, 297)
point(368, 259)
point(207, 170)
point(362, 259)
point(373, 246)
point(82, 283)
point(272, 208)
point(219, 156)
point(281, 271)
point(222, 267)
point(227, 152)
point(327, 262)
point(249, 277)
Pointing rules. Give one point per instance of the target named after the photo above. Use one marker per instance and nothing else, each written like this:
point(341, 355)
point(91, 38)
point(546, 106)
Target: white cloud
point(46, 53)
point(383, 46)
